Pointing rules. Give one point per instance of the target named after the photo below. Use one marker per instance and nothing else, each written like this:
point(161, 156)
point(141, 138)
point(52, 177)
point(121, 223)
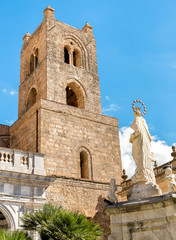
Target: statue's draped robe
point(141, 148)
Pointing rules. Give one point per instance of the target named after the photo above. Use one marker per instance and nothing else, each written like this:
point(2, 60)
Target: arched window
point(34, 61)
point(71, 97)
point(84, 168)
point(36, 58)
point(72, 54)
point(74, 95)
point(76, 58)
point(32, 98)
point(31, 63)
point(66, 55)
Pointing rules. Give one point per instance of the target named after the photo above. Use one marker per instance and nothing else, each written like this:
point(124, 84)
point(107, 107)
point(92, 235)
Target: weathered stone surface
point(152, 218)
point(143, 190)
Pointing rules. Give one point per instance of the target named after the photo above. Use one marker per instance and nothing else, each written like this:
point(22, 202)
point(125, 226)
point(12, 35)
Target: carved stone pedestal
point(151, 219)
point(143, 190)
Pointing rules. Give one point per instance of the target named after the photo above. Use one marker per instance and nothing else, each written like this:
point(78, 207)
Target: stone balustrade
point(22, 162)
point(159, 170)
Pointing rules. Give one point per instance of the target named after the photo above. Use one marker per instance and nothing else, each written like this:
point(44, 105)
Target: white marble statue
point(170, 178)
point(141, 149)
point(112, 192)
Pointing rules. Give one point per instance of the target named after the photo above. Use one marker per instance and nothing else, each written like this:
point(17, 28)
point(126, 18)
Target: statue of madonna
point(141, 149)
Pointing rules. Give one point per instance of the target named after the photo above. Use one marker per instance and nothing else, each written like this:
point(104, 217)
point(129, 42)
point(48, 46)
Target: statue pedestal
point(153, 218)
point(143, 190)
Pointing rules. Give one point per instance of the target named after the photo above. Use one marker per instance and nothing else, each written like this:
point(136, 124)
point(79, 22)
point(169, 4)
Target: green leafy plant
point(13, 235)
point(54, 223)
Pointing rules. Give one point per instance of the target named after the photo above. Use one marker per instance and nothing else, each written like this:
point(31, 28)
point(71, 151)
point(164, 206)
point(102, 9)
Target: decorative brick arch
point(85, 168)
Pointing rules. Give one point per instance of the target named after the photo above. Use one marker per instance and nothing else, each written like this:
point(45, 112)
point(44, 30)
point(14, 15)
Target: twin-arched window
point(34, 60)
point(72, 56)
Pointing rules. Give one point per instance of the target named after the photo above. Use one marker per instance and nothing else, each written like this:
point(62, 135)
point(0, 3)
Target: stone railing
point(159, 170)
point(22, 162)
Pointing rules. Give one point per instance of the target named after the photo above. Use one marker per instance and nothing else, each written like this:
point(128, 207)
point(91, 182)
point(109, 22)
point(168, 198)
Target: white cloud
point(107, 98)
point(111, 108)
point(10, 122)
point(13, 92)
point(4, 90)
point(160, 149)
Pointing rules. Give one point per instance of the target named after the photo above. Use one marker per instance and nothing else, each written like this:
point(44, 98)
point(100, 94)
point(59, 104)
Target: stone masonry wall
point(66, 130)
point(80, 195)
point(63, 132)
point(36, 79)
point(23, 131)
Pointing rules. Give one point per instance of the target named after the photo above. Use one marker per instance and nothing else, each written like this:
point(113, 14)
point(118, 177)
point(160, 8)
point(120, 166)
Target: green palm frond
point(13, 235)
point(54, 223)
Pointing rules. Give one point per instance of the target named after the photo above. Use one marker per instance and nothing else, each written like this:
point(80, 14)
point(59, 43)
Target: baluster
point(26, 160)
point(22, 161)
point(5, 157)
point(1, 156)
point(10, 157)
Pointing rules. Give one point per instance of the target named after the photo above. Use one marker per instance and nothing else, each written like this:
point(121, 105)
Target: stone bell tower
point(60, 114)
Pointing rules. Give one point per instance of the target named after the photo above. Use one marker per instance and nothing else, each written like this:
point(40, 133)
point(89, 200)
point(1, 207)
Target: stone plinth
point(143, 190)
point(152, 219)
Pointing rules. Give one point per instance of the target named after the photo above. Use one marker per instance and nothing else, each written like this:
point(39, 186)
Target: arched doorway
point(3, 221)
point(7, 217)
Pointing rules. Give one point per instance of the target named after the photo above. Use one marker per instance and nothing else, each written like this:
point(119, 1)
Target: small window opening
point(32, 63)
point(36, 59)
point(84, 165)
point(71, 97)
point(32, 98)
point(66, 56)
point(76, 58)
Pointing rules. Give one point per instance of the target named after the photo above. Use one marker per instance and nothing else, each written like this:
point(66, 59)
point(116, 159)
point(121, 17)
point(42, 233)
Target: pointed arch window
point(32, 98)
point(76, 58)
point(84, 168)
point(74, 95)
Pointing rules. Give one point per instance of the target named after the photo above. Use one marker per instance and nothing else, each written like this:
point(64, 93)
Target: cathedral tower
point(60, 114)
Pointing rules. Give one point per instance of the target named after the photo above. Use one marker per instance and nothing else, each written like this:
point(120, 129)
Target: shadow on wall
point(101, 218)
point(4, 136)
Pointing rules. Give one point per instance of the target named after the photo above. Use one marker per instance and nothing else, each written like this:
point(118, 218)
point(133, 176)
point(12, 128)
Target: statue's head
point(137, 111)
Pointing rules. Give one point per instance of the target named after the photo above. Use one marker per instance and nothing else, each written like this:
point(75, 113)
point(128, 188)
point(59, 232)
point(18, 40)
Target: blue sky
point(136, 51)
